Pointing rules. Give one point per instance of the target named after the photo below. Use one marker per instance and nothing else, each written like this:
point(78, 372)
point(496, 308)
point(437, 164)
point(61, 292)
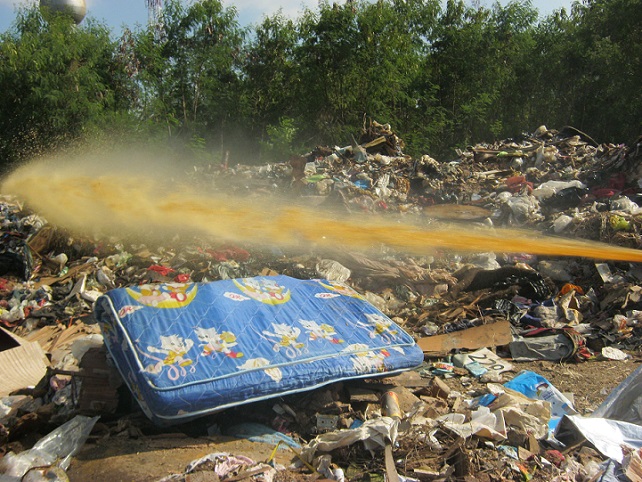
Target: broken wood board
point(375, 142)
point(51, 337)
point(494, 334)
point(73, 271)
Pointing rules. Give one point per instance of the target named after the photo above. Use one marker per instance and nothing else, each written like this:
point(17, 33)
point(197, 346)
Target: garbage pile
point(486, 322)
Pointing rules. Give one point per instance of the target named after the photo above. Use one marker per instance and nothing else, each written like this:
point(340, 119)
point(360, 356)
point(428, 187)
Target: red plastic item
point(162, 270)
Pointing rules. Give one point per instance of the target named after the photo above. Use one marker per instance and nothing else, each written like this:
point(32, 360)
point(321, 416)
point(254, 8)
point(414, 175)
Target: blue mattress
point(188, 349)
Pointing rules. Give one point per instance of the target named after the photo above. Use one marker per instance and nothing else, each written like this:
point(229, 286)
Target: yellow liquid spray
point(126, 199)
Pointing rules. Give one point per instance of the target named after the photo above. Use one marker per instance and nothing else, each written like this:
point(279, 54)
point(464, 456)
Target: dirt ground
point(132, 456)
point(146, 459)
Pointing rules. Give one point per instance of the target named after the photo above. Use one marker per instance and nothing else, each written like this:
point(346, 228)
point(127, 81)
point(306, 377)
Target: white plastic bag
point(58, 447)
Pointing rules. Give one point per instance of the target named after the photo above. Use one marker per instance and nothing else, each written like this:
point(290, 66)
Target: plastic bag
point(550, 188)
point(58, 447)
point(537, 387)
point(333, 270)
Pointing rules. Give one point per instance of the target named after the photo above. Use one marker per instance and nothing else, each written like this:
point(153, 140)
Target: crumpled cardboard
point(22, 363)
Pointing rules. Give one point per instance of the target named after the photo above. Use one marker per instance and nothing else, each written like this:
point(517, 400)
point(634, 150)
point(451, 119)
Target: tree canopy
point(443, 77)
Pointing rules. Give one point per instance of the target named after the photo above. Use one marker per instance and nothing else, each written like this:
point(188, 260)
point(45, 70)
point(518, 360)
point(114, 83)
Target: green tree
point(603, 41)
point(279, 144)
point(477, 59)
point(270, 75)
point(189, 71)
point(512, 30)
point(415, 110)
point(327, 60)
point(391, 39)
point(361, 58)
point(57, 82)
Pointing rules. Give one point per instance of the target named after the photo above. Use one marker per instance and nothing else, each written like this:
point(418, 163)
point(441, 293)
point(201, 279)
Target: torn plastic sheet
point(624, 403)
point(616, 422)
point(373, 433)
point(607, 436)
point(611, 472)
point(58, 447)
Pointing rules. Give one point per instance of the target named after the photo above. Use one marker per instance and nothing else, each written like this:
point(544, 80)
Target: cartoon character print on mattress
point(265, 290)
point(336, 289)
point(378, 325)
point(321, 331)
point(213, 342)
point(365, 360)
point(172, 355)
point(165, 295)
point(128, 310)
point(285, 337)
point(260, 363)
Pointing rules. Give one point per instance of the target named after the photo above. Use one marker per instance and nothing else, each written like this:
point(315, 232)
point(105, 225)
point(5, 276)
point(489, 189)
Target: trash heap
point(478, 408)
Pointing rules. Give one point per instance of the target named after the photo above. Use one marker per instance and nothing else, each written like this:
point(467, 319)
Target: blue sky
point(130, 13)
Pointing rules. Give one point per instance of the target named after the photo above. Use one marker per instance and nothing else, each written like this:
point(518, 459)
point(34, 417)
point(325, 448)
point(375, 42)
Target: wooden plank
point(490, 335)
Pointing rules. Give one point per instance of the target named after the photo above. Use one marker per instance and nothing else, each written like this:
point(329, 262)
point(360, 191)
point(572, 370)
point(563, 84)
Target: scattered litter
point(58, 447)
point(613, 353)
point(476, 316)
point(224, 466)
point(537, 387)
